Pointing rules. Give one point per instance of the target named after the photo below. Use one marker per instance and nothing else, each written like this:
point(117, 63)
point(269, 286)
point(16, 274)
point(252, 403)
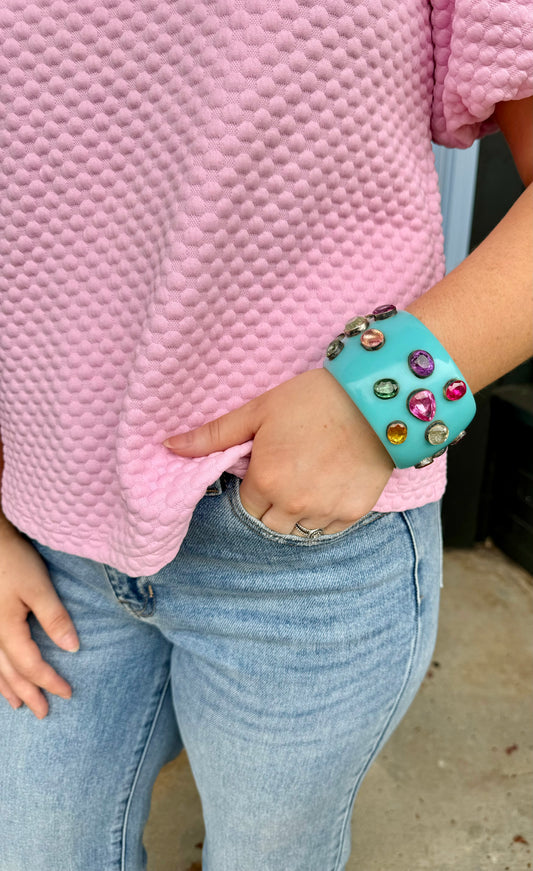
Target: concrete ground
point(452, 789)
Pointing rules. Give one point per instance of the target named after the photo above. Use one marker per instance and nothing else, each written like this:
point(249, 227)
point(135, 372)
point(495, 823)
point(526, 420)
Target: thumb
point(230, 429)
point(48, 609)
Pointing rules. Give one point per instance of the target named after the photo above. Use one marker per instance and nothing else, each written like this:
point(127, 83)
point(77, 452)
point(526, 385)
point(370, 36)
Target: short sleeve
point(483, 52)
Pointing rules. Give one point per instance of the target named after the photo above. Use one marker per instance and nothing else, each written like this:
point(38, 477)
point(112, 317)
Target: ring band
point(309, 533)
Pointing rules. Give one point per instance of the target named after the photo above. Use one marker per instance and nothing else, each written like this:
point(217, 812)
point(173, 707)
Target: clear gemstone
point(454, 389)
point(437, 433)
point(425, 462)
point(421, 363)
point(371, 340)
point(439, 453)
point(397, 432)
point(356, 325)
point(386, 388)
point(421, 404)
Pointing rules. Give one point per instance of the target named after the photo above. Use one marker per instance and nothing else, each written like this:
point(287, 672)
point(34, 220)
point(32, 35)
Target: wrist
point(7, 530)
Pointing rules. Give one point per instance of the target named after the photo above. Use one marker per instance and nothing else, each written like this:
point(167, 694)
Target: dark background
point(490, 473)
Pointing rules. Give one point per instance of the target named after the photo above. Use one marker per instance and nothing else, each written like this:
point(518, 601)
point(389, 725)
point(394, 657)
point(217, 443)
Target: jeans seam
point(147, 607)
point(408, 672)
point(138, 770)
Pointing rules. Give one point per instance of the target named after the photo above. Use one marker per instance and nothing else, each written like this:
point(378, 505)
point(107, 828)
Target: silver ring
point(309, 533)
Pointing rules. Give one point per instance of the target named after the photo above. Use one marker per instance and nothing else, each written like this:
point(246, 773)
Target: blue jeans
point(282, 665)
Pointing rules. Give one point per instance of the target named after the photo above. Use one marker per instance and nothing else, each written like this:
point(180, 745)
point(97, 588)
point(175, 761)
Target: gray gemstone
point(356, 325)
point(437, 433)
point(439, 453)
point(425, 462)
point(334, 348)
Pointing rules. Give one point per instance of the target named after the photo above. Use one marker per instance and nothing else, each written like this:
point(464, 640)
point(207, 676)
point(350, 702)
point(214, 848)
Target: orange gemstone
point(396, 432)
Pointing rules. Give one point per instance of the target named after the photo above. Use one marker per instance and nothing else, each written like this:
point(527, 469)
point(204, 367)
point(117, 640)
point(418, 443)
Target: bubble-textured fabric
point(195, 198)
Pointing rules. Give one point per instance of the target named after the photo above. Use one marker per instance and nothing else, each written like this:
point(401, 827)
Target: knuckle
point(296, 506)
point(214, 430)
point(28, 664)
point(265, 481)
point(59, 621)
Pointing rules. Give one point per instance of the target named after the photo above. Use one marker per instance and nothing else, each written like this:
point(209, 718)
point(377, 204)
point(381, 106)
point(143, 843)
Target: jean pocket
point(259, 528)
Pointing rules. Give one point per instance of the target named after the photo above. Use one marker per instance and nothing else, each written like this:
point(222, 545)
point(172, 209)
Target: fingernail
point(175, 442)
point(65, 695)
point(70, 642)
point(183, 440)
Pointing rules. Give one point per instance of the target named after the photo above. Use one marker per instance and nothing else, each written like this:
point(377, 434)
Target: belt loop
point(214, 489)
point(224, 480)
point(218, 486)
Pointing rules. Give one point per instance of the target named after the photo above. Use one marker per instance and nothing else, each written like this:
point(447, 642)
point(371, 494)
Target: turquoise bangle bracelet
point(404, 382)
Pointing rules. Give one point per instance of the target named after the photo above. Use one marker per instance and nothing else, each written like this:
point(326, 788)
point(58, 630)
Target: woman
point(197, 198)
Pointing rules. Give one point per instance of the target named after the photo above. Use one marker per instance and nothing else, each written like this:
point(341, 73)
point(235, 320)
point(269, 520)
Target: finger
point(279, 521)
point(54, 617)
point(9, 694)
point(336, 526)
point(251, 499)
point(28, 693)
point(25, 659)
point(230, 429)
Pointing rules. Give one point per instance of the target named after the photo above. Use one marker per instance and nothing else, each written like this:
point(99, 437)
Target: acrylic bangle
point(405, 384)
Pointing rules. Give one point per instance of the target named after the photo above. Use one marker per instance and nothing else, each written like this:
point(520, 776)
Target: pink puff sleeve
point(483, 52)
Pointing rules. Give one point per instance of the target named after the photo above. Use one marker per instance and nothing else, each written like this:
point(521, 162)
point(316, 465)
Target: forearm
point(482, 311)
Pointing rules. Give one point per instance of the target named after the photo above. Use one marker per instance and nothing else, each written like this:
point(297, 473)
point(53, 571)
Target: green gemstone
point(386, 388)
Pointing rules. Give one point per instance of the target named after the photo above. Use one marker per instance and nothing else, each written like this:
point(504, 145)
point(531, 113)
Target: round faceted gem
point(384, 311)
point(421, 404)
point(454, 389)
point(397, 432)
point(425, 462)
point(371, 340)
point(458, 438)
point(356, 325)
point(421, 363)
point(437, 433)
point(386, 388)
point(334, 348)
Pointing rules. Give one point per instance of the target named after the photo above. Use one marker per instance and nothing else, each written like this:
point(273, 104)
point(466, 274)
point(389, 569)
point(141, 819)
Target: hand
point(315, 459)
point(25, 586)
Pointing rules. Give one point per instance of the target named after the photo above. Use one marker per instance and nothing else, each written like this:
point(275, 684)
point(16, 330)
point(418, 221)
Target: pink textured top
point(195, 197)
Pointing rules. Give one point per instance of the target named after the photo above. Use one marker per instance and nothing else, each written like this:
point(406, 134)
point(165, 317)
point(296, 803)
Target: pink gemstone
point(454, 389)
point(422, 404)
point(371, 340)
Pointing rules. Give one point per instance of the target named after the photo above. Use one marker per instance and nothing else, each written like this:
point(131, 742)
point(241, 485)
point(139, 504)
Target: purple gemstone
point(421, 404)
point(384, 311)
point(421, 363)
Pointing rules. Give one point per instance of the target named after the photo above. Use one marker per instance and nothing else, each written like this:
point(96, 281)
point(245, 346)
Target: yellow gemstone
point(396, 432)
